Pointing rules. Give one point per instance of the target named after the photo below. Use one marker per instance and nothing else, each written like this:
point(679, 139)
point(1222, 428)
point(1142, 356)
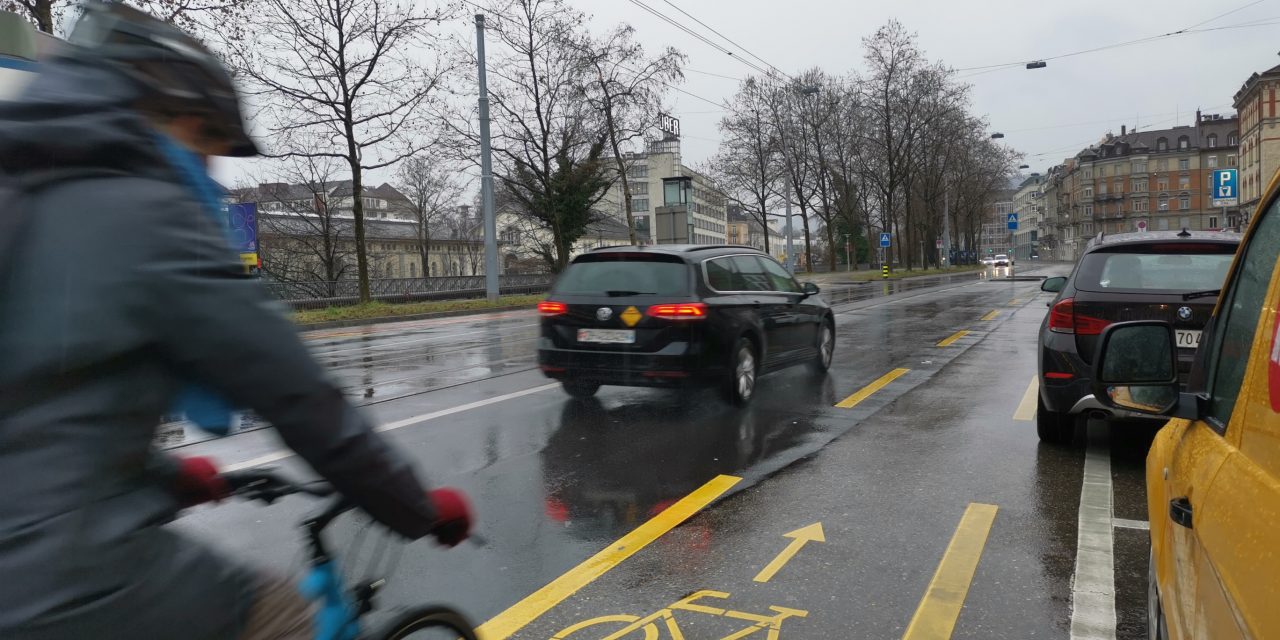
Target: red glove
point(198, 482)
point(453, 516)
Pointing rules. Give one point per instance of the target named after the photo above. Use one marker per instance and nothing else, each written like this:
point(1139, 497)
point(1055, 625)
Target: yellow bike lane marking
point(508, 622)
point(867, 391)
point(935, 618)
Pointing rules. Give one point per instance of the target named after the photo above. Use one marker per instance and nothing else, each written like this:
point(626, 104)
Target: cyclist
point(118, 290)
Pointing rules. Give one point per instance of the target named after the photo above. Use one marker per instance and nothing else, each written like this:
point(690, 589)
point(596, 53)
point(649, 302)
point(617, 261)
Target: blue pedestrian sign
point(1013, 222)
point(885, 239)
point(1226, 192)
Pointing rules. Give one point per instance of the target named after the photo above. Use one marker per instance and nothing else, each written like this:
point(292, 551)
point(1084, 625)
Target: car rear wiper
point(618, 294)
point(1201, 294)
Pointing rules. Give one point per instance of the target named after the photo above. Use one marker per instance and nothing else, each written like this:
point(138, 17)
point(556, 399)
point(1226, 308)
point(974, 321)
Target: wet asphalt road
point(557, 481)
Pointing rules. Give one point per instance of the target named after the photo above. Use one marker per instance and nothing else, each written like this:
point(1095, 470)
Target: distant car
point(1161, 275)
point(988, 261)
point(675, 316)
point(1001, 260)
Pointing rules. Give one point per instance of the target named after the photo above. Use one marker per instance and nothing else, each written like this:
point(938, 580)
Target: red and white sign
point(1142, 225)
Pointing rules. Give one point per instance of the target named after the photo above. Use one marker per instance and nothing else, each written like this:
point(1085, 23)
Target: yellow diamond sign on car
point(631, 316)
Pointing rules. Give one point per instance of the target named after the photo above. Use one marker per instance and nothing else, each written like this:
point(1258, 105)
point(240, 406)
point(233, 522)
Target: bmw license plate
point(607, 336)
point(1188, 339)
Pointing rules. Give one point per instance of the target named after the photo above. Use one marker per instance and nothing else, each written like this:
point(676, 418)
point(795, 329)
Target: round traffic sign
point(1142, 225)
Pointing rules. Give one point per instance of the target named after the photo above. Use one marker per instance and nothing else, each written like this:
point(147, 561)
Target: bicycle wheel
point(426, 623)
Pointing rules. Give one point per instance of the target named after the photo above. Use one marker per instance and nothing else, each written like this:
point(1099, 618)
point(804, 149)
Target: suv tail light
point(549, 308)
point(1063, 319)
point(682, 311)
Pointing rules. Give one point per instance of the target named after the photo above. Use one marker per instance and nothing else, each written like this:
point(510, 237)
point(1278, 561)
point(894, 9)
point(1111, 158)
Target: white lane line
point(1093, 600)
point(277, 456)
point(1123, 523)
point(1026, 410)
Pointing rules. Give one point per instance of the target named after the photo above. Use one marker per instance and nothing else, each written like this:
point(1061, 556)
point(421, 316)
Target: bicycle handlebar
point(266, 486)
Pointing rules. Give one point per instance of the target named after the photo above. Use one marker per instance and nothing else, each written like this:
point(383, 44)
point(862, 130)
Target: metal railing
point(320, 294)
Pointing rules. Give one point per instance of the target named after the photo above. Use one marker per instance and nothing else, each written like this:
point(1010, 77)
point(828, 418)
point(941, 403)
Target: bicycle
point(340, 608)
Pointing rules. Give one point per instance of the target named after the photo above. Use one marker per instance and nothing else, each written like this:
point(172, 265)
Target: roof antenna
point(1184, 233)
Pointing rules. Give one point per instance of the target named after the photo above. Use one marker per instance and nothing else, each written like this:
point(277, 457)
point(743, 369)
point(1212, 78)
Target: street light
point(1024, 166)
point(997, 136)
point(1038, 64)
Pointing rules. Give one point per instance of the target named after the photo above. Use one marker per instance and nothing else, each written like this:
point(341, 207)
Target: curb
point(360, 322)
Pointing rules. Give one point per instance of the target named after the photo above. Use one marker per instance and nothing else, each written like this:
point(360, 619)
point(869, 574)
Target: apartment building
point(1260, 136)
point(645, 171)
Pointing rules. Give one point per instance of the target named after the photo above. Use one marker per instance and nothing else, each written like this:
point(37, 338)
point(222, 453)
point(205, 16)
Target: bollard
point(884, 270)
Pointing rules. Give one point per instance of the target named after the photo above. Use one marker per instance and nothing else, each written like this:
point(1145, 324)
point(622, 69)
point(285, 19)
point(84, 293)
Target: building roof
point(1130, 142)
point(284, 192)
point(608, 228)
point(1273, 72)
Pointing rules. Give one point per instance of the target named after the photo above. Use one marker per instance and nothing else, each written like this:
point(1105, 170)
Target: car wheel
point(1054, 427)
point(741, 385)
point(826, 347)
point(580, 389)
point(1157, 628)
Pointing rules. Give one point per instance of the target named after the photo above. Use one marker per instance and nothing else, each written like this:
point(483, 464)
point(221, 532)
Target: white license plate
point(607, 336)
point(1188, 339)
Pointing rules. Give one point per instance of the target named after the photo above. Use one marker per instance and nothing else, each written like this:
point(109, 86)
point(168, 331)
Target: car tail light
point(549, 308)
point(682, 311)
point(1064, 319)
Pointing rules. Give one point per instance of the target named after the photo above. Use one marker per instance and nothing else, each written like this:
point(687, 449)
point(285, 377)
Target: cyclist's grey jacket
point(123, 288)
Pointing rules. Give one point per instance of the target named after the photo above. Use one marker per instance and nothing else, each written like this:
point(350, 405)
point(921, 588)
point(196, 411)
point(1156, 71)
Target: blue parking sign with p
point(885, 239)
point(1226, 192)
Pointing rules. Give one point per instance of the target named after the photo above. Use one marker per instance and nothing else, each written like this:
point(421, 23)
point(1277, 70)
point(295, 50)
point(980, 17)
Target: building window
point(639, 204)
point(1162, 204)
point(1140, 185)
point(1162, 144)
point(1213, 140)
point(639, 188)
point(1213, 222)
point(1184, 143)
point(413, 269)
point(1088, 173)
point(1140, 205)
point(1088, 211)
point(1213, 162)
point(1102, 171)
point(1184, 202)
point(1162, 183)
point(1088, 192)
point(1184, 182)
point(1231, 161)
point(638, 171)
point(1119, 187)
point(1102, 188)
point(1233, 139)
point(1162, 224)
point(1184, 164)
point(1139, 166)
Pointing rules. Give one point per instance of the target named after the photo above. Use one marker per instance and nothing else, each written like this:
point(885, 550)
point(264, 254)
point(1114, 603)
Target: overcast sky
point(1047, 114)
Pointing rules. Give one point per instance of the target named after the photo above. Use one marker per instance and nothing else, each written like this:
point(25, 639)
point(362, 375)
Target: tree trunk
point(357, 211)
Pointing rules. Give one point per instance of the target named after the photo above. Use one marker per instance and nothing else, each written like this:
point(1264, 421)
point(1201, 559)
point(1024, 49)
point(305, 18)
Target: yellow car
point(1213, 472)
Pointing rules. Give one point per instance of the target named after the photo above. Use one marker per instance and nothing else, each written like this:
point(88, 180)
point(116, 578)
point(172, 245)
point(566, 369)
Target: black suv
point(1163, 275)
point(675, 315)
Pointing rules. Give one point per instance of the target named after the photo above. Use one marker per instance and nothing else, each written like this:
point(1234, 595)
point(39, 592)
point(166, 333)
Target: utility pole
point(946, 225)
point(486, 175)
point(791, 255)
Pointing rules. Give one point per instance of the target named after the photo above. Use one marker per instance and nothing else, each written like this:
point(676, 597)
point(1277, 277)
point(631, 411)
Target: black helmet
point(179, 75)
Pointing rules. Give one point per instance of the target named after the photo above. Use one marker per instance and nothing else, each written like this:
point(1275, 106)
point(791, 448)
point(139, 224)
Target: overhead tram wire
point(1179, 32)
point(729, 40)
point(699, 36)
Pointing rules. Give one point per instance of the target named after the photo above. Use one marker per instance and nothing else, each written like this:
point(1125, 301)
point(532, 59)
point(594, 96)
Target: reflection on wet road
point(898, 456)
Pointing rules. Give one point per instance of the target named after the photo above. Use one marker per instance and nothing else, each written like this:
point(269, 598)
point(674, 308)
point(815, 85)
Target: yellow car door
point(1214, 501)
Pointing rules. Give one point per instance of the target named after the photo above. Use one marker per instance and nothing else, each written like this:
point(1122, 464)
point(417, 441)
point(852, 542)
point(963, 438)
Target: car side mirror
point(1136, 368)
point(810, 289)
point(1054, 284)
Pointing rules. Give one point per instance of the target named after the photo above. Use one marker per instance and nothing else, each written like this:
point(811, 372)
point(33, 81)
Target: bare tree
point(627, 91)
point(308, 242)
point(343, 79)
point(747, 165)
point(794, 151)
point(548, 140)
point(199, 17)
point(433, 190)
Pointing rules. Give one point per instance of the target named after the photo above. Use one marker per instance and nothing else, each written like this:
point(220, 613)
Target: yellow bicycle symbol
point(648, 625)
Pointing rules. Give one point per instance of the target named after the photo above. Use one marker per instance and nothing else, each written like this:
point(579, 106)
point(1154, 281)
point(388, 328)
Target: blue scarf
point(202, 406)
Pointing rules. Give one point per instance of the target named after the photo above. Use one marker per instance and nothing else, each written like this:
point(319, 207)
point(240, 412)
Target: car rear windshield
point(1157, 268)
point(622, 277)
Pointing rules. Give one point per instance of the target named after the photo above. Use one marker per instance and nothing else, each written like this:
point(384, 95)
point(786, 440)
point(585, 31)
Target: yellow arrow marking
point(631, 316)
point(991, 316)
point(800, 537)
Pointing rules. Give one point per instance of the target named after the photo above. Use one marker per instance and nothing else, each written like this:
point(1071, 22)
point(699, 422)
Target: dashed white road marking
point(276, 456)
point(1093, 598)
